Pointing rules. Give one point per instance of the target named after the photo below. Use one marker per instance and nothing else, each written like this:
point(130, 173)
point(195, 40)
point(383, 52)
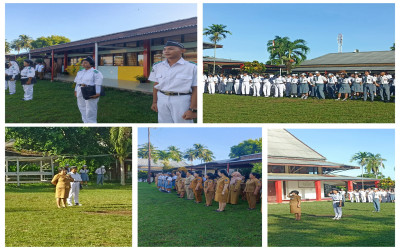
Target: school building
point(292, 165)
point(375, 61)
point(122, 55)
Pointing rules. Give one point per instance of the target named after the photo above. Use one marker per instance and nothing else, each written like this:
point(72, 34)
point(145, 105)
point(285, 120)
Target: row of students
point(340, 86)
point(215, 187)
point(365, 195)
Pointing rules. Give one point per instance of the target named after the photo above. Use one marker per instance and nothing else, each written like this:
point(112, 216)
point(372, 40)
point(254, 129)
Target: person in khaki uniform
point(182, 185)
point(197, 186)
point(216, 177)
point(62, 181)
point(253, 185)
point(295, 201)
point(222, 190)
point(209, 189)
point(177, 186)
point(234, 188)
point(188, 181)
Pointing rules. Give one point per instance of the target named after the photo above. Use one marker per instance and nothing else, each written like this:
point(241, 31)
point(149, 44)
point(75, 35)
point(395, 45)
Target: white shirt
point(278, 80)
point(76, 176)
point(90, 77)
point(288, 79)
point(332, 80)
point(100, 171)
point(84, 171)
point(320, 79)
point(336, 197)
point(376, 195)
point(180, 77)
point(295, 80)
point(368, 79)
point(246, 78)
point(384, 79)
point(256, 80)
point(27, 72)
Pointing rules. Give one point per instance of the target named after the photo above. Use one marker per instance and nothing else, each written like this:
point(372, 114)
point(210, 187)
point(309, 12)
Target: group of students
point(375, 196)
point(219, 187)
point(339, 86)
point(365, 195)
point(26, 75)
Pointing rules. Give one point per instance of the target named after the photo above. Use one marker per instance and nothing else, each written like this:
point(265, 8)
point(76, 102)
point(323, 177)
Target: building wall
point(127, 73)
point(305, 188)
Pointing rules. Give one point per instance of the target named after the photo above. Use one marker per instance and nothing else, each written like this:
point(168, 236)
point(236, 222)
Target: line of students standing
point(216, 187)
point(336, 86)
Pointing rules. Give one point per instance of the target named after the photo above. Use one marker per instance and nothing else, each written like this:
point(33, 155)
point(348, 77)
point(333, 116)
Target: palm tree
point(16, 45)
point(165, 157)
point(25, 42)
point(143, 152)
point(208, 156)
point(393, 47)
point(375, 161)
point(174, 153)
point(7, 47)
point(190, 155)
point(362, 160)
point(286, 52)
point(216, 33)
point(121, 139)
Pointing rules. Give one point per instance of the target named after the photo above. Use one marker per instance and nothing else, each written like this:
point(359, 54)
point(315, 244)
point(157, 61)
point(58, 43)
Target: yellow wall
point(129, 73)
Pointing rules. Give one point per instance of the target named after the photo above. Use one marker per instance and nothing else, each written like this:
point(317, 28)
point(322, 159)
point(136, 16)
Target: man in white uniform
point(246, 79)
point(279, 86)
point(175, 86)
point(256, 85)
point(368, 86)
point(100, 174)
point(28, 79)
point(384, 87)
point(12, 72)
point(88, 77)
point(320, 83)
point(75, 187)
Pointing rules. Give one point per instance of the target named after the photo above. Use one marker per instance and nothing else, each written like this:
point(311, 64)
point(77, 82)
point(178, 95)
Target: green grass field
point(248, 109)
point(55, 103)
point(359, 227)
point(166, 221)
point(32, 218)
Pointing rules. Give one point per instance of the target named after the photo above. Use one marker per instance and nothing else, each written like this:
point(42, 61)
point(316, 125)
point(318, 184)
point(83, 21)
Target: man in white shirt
point(75, 187)
point(384, 89)
point(100, 174)
point(376, 199)
point(246, 79)
point(320, 83)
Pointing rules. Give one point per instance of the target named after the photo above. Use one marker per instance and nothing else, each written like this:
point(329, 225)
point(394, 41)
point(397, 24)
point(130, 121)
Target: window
point(118, 60)
point(106, 60)
point(156, 56)
point(190, 55)
point(140, 59)
point(131, 59)
point(157, 41)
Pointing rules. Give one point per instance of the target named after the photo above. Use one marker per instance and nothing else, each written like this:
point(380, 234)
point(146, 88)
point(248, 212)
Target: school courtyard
point(359, 226)
point(32, 218)
point(54, 102)
point(220, 108)
point(166, 221)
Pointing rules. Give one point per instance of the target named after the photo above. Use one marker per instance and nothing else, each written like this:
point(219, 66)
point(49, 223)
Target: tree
point(286, 52)
point(216, 33)
point(208, 156)
point(25, 42)
point(42, 41)
point(174, 153)
point(386, 183)
point(253, 67)
point(16, 45)
point(246, 148)
point(7, 47)
point(164, 156)
point(361, 158)
point(375, 161)
point(190, 155)
point(121, 139)
point(257, 168)
point(143, 152)
point(393, 47)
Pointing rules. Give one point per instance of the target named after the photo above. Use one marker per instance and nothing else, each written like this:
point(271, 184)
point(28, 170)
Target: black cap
point(89, 59)
point(173, 43)
point(29, 61)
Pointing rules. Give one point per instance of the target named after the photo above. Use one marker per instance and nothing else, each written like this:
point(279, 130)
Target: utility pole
point(149, 157)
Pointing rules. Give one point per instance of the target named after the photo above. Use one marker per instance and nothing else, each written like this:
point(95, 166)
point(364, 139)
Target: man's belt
point(76, 181)
point(173, 93)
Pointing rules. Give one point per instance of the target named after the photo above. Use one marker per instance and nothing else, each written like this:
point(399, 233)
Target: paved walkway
point(113, 83)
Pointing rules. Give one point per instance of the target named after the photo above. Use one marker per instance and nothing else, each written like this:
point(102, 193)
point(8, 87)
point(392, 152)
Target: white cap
point(103, 166)
point(316, 72)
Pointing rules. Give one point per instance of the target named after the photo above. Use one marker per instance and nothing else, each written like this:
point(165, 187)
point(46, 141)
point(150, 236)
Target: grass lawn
point(359, 226)
point(32, 218)
point(164, 220)
point(55, 103)
point(248, 109)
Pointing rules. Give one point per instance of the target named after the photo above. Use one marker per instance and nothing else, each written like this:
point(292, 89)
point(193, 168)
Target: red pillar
point(227, 168)
point(146, 58)
point(376, 183)
point(94, 55)
point(349, 185)
point(52, 65)
point(278, 190)
point(318, 190)
point(65, 61)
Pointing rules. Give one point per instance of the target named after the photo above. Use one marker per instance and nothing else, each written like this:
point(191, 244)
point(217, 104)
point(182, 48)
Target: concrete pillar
point(376, 183)
point(96, 55)
point(349, 185)
point(278, 190)
point(65, 61)
point(17, 172)
point(146, 58)
point(318, 190)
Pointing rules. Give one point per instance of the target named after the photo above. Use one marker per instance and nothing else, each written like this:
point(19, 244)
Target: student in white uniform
point(344, 87)
point(293, 86)
point(384, 90)
point(256, 85)
point(357, 86)
point(370, 194)
point(28, 79)
point(319, 83)
point(88, 77)
point(75, 187)
point(266, 85)
point(212, 79)
point(331, 86)
point(175, 86)
point(368, 86)
point(205, 84)
point(376, 200)
point(279, 86)
point(12, 73)
point(350, 193)
point(363, 196)
point(229, 85)
point(337, 203)
point(357, 195)
point(237, 87)
point(246, 79)
point(288, 81)
point(39, 69)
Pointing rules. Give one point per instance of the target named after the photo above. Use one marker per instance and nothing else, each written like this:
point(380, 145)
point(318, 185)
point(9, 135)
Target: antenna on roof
point(340, 42)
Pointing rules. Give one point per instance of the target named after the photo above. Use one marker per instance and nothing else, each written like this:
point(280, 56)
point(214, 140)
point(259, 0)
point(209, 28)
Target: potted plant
point(141, 78)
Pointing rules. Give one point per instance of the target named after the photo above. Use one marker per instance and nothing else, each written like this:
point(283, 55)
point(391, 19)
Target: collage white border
point(200, 124)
